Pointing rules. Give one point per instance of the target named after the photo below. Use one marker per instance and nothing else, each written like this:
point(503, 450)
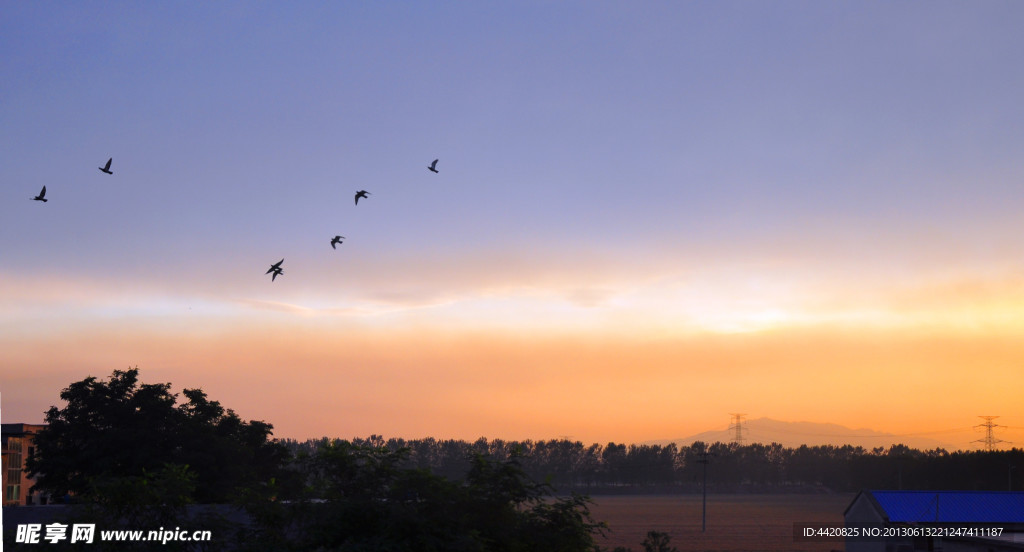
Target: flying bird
point(276, 269)
point(433, 166)
point(41, 196)
point(106, 168)
point(336, 240)
point(361, 193)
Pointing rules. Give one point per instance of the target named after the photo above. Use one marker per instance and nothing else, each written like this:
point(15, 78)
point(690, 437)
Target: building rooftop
point(18, 429)
point(950, 506)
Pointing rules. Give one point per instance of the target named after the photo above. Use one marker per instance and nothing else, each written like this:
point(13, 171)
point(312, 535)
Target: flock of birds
point(106, 169)
point(275, 269)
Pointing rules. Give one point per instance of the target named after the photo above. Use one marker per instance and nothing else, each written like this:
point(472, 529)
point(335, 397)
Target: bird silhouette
point(361, 193)
point(432, 166)
point(336, 240)
point(276, 269)
point(106, 168)
point(41, 196)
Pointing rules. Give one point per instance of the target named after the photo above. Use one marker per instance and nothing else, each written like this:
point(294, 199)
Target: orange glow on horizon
point(629, 361)
point(418, 383)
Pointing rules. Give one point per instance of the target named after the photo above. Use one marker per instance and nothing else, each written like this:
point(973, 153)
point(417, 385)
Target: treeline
point(128, 455)
point(620, 468)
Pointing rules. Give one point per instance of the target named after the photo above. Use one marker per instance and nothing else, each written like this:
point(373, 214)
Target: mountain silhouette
point(794, 434)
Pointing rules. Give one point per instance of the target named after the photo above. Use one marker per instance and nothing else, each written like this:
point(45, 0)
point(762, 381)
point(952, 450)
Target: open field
point(735, 522)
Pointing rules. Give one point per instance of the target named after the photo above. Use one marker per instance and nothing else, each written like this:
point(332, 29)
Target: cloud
point(301, 310)
point(540, 295)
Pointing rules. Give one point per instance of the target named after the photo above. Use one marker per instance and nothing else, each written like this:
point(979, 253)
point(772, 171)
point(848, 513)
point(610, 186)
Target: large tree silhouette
point(120, 428)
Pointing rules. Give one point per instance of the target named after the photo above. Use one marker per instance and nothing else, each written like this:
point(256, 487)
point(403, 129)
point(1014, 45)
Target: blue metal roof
point(951, 506)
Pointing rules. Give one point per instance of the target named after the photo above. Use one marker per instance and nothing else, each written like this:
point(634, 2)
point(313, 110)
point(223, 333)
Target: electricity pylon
point(737, 425)
point(990, 439)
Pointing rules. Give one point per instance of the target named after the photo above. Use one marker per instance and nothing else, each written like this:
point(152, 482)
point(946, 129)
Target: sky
point(647, 215)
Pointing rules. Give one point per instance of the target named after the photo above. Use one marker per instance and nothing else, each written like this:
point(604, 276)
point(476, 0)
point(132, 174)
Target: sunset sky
point(647, 216)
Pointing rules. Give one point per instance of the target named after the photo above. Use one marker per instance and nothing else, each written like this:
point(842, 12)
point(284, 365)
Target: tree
point(657, 541)
point(114, 432)
point(368, 500)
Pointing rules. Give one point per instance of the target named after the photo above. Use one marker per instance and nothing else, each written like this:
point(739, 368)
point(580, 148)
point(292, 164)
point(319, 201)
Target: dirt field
point(741, 523)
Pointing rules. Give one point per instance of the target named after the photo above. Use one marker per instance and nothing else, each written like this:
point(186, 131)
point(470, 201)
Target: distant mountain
point(794, 434)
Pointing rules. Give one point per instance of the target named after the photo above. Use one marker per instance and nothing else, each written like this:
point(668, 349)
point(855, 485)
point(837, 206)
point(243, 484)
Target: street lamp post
point(704, 492)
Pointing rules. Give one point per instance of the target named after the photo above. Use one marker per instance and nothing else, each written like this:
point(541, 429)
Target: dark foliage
point(361, 498)
point(619, 468)
point(113, 434)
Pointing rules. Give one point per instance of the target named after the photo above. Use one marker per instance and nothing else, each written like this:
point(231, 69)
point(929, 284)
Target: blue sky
point(669, 125)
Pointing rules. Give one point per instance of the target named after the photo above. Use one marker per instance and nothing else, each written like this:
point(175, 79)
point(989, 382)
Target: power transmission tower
point(737, 424)
point(990, 439)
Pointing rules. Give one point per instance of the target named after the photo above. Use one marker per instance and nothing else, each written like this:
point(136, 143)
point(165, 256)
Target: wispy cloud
point(739, 298)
